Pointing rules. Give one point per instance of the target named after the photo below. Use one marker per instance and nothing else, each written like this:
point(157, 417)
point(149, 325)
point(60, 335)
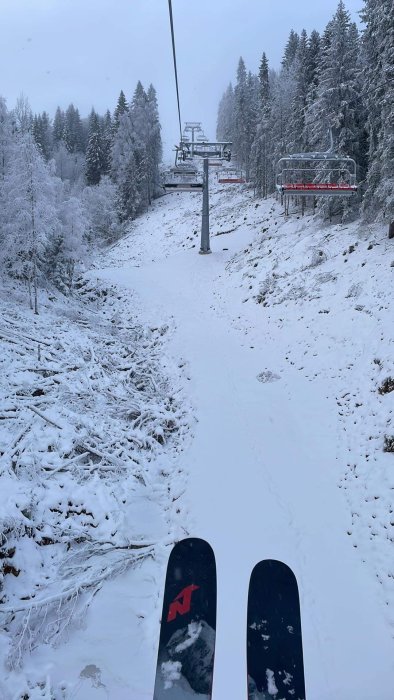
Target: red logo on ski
point(182, 603)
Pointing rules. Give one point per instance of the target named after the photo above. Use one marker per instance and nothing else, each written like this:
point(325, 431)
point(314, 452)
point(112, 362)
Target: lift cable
point(175, 68)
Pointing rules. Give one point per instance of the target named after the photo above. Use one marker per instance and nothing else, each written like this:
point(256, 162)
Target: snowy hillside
point(245, 397)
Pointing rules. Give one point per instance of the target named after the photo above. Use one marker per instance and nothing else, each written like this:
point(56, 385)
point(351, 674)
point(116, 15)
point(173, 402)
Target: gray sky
point(86, 51)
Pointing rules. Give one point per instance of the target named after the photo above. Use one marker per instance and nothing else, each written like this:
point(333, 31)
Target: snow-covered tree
point(225, 119)
point(73, 133)
point(5, 138)
point(121, 108)
point(260, 160)
point(124, 169)
point(23, 115)
point(95, 157)
point(66, 247)
point(69, 166)
point(136, 153)
point(42, 134)
point(100, 204)
point(245, 115)
point(301, 73)
point(290, 51)
point(30, 216)
point(107, 139)
point(58, 125)
point(378, 92)
point(154, 145)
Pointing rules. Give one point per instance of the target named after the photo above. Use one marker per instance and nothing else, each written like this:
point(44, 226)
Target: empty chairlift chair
point(182, 178)
point(231, 176)
point(318, 174)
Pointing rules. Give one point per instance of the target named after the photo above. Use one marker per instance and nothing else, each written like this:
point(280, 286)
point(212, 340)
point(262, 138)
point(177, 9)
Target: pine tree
point(124, 169)
point(140, 127)
point(42, 134)
point(261, 170)
point(58, 125)
point(301, 71)
point(337, 100)
point(312, 79)
point(154, 144)
point(290, 50)
point(378, 91)
point(73, 136)
point(245, 101)
point(225, 125)
point(337, 104)
point(5, 139)
point(121, 108)
point(95, 157)
point(107, 140)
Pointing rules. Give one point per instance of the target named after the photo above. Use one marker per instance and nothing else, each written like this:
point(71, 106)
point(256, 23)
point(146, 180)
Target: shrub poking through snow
point(386, 386)
point(388, 443)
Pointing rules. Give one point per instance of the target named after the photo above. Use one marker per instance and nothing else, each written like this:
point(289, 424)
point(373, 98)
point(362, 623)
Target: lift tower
point(194, 127)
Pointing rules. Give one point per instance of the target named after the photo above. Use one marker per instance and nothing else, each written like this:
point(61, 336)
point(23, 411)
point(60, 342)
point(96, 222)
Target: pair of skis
point(185, 662)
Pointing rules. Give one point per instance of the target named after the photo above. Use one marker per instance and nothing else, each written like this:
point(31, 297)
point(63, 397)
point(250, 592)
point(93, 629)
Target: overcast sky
point(86, 51)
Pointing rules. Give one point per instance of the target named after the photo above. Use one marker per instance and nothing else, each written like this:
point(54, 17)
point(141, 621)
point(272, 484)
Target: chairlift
point(184, 168)
point(180, 180)
point(231, 176)
point(317, 173)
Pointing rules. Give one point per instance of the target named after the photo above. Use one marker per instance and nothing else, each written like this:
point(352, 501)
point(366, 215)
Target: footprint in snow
point(268, 376)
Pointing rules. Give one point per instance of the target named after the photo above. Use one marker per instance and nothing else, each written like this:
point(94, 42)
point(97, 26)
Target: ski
point(274, 643)
point(188, 624)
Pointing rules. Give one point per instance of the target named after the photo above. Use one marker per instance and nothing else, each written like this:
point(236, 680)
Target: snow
point(271, 685)
point(274, 348)
point(193, 631)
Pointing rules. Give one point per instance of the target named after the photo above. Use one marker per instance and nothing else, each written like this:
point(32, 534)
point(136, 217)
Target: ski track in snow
point(282, 338)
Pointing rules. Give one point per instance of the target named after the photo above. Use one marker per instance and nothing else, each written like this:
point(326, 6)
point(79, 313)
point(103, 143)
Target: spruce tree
point(107, 139)
point(124, 169)
point(378, 92)
point(301, 72)
point(261, 170)
point(121, 108)
point(73, 130)
point(244, 114)
point(5, 138)
point(225, 125)
point(58, 125)
point(154, 144)
point(42, 134)
point(290, 50)
point(95, 157)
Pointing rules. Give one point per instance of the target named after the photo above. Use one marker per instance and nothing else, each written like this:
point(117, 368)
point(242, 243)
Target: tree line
point(70, 184)
point(341, 79)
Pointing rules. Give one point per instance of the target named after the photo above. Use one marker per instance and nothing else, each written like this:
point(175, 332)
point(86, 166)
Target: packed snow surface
point(277, 354)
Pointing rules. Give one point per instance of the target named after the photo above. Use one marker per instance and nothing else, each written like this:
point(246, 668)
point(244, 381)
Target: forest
point(68, 185)
point(340, 79)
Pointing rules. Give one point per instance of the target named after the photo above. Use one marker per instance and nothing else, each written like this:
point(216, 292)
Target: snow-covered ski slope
point(287, 336)
point(282, 344)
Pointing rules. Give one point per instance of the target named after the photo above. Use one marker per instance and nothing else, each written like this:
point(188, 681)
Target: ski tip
point(193, 543)
point(271, 567)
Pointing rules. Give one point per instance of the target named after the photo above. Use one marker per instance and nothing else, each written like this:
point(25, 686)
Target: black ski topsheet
point(188, 625)
point(274, 643)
